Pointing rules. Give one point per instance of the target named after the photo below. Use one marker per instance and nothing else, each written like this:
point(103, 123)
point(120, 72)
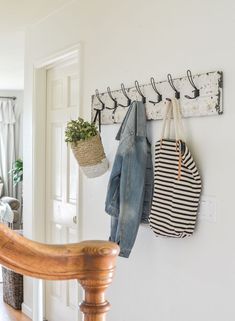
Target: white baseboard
point(26, 310)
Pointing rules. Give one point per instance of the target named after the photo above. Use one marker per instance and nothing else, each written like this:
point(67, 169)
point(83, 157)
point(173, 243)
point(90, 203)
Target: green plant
point(17, 171)
point(79, 130)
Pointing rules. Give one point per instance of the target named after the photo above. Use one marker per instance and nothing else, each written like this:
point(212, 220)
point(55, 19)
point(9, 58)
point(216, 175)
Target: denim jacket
point(130, 187)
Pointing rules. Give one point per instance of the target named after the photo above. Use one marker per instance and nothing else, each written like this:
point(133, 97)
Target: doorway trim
point(39, 158)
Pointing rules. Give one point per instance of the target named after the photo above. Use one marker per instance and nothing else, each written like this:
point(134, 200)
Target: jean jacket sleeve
point(124, 228)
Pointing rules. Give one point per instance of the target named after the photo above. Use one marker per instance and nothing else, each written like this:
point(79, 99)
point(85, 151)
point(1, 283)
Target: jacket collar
point(135, 118)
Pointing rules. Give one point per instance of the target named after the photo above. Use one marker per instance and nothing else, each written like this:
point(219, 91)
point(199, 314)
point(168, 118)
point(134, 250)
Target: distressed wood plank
point(208, 103)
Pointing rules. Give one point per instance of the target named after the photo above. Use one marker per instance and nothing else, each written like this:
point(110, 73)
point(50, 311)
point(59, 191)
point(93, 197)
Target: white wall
point(164, 279)
point(11, 58)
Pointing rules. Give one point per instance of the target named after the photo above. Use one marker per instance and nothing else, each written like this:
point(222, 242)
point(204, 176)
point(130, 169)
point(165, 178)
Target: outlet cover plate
point(207, 209)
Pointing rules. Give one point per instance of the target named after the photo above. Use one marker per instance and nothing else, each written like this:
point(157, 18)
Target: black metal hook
point(170, 80)
point(98, 111)
point(137, 86)
point(196, 91)
point(113, 99)
point(98, 116)
point(98, 97)
point(115, 103)
point(127, 97)
point(159, 96)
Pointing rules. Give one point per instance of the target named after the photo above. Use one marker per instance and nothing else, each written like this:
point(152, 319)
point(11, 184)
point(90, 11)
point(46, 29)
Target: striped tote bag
point(177, 183)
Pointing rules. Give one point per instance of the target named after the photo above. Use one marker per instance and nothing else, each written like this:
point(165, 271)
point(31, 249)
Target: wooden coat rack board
point(208, 103)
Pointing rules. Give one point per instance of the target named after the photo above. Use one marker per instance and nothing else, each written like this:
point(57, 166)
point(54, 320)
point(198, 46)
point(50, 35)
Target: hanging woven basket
point(90, 156)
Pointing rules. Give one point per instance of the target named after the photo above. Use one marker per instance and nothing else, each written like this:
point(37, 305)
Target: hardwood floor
point(7, 313)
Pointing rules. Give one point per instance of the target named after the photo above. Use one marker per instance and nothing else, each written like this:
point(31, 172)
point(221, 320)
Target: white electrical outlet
point(207, 209)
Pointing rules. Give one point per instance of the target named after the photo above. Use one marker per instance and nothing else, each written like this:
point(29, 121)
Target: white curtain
point(7, 144)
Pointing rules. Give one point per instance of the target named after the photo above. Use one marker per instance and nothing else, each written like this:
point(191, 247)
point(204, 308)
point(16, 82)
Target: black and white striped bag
point(177, 183)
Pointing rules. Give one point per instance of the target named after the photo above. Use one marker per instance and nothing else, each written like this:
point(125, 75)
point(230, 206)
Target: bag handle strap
point(178, 123)
point(173, 111)
point(167, 121)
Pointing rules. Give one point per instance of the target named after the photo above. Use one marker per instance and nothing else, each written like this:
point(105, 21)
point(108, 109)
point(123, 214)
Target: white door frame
point(39, 158)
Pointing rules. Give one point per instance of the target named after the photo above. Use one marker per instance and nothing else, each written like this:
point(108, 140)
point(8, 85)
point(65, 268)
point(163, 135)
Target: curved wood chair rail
point(92, 263)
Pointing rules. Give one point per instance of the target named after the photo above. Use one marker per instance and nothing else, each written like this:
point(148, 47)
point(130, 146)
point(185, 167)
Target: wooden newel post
point(94, 305)
point(92, 263)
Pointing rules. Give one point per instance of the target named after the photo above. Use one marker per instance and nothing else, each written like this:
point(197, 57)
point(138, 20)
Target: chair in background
point(15, 206)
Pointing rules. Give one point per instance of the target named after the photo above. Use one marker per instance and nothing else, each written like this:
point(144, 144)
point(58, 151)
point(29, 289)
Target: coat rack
point(200, 95)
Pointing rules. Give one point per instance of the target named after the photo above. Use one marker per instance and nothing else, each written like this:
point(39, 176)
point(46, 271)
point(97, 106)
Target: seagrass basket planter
point(12, 288)
point(87, 147)
point(90, 156)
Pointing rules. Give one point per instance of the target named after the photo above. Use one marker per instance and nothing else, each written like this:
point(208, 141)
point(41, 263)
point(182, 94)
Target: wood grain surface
point(92, 263)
